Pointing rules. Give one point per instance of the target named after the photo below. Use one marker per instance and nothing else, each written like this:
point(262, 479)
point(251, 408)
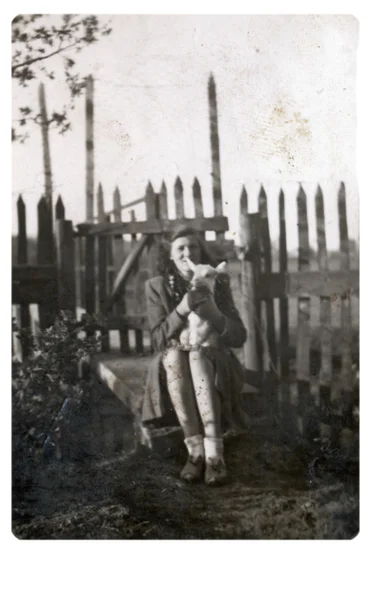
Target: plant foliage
point(36, 39)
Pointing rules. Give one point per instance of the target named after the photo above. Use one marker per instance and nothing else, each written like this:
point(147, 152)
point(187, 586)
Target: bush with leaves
point(43, 381)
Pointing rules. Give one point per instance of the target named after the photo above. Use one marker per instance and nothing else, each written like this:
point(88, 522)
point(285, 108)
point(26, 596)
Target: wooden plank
point(128, 205)
point(34, 273)
point(22, 257)
point(22, 311)
point(80, 243)
point(197, 199)
point(90, 274)
point(303, 329)
point(312, 283)
point(254, 219)
point(41, 292)
point(100, 204)
point(325, 299)
point(154, 226)
point(59, 209)
point(118, 242)
point(45, 255)
point(89, 146)
point(138, 286)
point(163, 207)
point(325, 377)
point(267, 269)
point(121, 322)
point(215, 154)
point(303, 340)
point(247, 287)
point(179, 199)
point(346, 316)
point(284, 309)
point(66, 265)
point(48, 183)
point(103, 242)
point(102, 253)
point(118, 258)
point(126, 269)
point(243, 201)
point(150, 205)
point(45, 249)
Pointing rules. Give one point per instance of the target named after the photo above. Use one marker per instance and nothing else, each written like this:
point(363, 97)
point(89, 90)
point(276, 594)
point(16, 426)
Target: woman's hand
point(209, 311)
point(198, 295)
point(192, 299)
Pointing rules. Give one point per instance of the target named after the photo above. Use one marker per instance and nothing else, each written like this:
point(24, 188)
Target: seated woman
point(203, 384)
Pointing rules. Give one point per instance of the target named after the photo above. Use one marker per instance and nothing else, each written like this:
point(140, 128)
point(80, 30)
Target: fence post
point(23, 311)
point(346, 434)
point(119, 256)
point(197, 201)
point(66, 265)
point(287, 409)
point(103, 256)
point(45, 255)
point(152, 208)
point(215, 153)
point(89, 143)
point(247, 286)
point(179, 199)
point(325, 376)
point(307, 423)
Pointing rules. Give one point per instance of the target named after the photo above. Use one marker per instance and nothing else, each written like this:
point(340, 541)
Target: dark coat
point(165, 325)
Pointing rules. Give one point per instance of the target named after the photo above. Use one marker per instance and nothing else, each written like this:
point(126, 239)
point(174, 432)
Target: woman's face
point(182, 248)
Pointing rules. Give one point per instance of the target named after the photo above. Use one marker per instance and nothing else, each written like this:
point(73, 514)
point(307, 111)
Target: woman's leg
point(180, 388)
point(209, 405)
point(179, 384)
point(207, 396)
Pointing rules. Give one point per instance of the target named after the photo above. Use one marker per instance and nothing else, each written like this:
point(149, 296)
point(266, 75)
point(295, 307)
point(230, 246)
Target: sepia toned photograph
point(185, 277)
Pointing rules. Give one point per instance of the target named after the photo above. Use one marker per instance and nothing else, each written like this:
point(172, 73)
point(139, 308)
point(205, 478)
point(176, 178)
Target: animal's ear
point(222, 267)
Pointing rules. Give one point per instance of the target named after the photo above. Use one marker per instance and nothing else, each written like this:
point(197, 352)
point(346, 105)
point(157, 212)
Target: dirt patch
point(274, 493)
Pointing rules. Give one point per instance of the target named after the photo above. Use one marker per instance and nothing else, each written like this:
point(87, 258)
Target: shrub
point(42, 382)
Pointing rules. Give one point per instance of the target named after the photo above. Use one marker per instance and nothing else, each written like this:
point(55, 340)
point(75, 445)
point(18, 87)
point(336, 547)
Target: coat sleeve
point(234, 333)
point(162, 326)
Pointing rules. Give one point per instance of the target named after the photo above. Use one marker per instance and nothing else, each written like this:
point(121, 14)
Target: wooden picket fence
point(95, 269)
point(50, 283)
point(316, 404)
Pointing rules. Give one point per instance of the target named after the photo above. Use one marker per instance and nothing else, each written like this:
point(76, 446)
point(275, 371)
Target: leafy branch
point(36, 39)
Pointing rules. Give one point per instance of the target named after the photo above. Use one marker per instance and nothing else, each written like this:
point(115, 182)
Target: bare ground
point(275, 492)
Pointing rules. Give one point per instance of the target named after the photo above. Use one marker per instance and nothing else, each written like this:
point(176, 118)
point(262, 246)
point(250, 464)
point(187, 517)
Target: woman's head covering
point(182, 231)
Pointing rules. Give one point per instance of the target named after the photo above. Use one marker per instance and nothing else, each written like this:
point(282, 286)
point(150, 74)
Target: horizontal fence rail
point(324, 284)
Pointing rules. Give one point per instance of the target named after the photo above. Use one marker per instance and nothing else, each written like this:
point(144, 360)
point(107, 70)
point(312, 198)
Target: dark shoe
point(216, 473)
point(193, 469)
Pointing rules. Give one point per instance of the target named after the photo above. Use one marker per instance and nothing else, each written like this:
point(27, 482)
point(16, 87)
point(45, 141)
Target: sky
point(287, 115)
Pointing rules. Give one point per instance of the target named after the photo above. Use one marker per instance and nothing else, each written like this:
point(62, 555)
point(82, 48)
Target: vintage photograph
point(185, 277)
